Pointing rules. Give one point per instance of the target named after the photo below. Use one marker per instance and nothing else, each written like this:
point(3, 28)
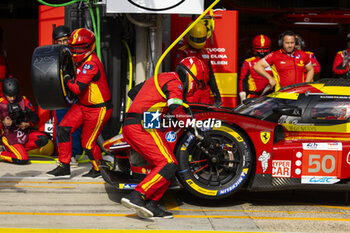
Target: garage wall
point(20, 40)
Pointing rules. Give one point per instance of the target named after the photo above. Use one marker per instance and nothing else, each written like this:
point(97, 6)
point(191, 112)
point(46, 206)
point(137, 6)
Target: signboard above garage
point(156, 6)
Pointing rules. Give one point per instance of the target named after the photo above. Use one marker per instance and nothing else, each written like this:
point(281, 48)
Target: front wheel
point(218, 170)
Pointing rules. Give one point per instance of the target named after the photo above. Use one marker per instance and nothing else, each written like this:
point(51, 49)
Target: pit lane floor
point(30, 202)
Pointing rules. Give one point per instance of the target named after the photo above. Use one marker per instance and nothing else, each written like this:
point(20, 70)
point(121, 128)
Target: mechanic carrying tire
point(93, 108)
point(54, 82)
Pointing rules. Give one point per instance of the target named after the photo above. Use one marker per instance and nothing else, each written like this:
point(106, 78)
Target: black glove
point(67, 78)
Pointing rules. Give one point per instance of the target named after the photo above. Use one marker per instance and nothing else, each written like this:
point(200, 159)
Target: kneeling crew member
point(18, 116)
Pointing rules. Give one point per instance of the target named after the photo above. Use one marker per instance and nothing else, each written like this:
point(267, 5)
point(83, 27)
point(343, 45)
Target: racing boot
point(61, 171)
point(158, 212)
point(136, 201)
point(92, 173)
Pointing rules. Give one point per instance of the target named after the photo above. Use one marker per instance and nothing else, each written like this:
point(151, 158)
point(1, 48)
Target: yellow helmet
point(197, 36)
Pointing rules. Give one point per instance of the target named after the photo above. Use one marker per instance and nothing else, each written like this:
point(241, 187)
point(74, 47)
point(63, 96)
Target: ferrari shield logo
point(265, 136)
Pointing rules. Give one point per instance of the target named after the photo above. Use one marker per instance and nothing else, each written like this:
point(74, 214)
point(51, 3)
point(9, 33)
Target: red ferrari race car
point(298, 137)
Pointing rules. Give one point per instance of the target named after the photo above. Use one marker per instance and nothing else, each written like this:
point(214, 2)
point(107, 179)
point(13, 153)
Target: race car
point(298, 137)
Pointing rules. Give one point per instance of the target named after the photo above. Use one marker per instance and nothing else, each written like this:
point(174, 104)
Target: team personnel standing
point(341, 64)
point(60, 35)
point(17, 117)
point(300, 44)
point(150, 143)
point(251, 84)
point(196, 39)
point(93, 108)
point(289, 63)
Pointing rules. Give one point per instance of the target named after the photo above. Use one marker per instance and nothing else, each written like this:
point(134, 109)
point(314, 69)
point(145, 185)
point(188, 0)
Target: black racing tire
point(218, 176)
point(50, 64)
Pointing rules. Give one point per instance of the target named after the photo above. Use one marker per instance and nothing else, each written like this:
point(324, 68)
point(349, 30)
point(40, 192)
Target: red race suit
point(200, 96)
point(289, 67)
point(151, 142)
point(16, 141)
point(341, 63)
point(250, 81)
point(92, 111)
point(315, 64)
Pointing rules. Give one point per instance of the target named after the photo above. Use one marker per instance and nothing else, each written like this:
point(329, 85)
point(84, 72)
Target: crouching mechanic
point(17, 118)
point(92, 110)
point(150, 143)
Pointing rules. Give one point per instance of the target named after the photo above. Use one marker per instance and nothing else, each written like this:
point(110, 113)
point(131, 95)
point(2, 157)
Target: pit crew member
point(196, 39)
point(93, 108)
point(150, 143)
point(251, 84)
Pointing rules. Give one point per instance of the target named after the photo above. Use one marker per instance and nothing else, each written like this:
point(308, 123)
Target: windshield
point(262, 107)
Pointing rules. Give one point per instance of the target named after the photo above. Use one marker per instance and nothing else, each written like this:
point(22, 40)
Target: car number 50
point(316, 163)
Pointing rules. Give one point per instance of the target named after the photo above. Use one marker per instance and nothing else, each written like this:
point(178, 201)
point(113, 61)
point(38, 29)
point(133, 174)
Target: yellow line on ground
point(335, 207)
point(181, 216)
point(22, 230)
point(33, 186)
point(52, 182)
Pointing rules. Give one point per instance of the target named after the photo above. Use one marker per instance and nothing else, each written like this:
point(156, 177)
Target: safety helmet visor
point(79, 48)
point(262, 50)
point(198, 40)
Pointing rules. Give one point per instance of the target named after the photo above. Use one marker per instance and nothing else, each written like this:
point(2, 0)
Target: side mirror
point(288, 110)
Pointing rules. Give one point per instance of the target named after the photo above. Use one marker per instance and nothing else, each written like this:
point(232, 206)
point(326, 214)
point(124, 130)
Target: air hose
point(130, 77)
point(173, 44)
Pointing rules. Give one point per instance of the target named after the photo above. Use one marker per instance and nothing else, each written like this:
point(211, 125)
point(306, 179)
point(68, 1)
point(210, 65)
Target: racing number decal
point(318, 165)
point(321, 162)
